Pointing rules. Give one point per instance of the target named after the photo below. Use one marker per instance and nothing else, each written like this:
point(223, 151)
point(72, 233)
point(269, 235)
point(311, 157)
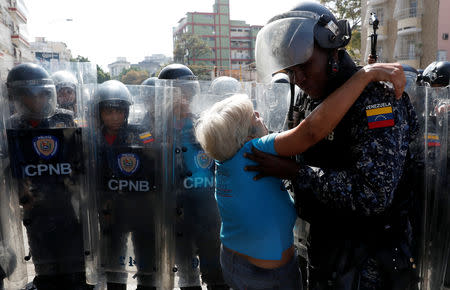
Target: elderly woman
point(258, 217)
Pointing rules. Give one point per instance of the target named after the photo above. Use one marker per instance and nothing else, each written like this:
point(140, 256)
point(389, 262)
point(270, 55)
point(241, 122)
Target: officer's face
point(66, 96)
point(112, 118)
point(35, 104)
point(312, 76)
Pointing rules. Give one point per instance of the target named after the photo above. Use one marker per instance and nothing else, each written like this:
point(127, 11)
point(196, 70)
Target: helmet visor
point(34, 101)
point(284, 43)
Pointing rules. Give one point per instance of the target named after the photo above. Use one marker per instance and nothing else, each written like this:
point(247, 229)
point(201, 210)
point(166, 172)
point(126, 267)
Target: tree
point(102, 76)
point(188, 47)
point(350, 10)
point(133, 76)
point(80, 58)
point(345, 9)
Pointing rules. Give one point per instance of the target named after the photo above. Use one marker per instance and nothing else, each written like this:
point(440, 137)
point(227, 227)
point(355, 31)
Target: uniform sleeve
point(266, 143)
point(378, 155)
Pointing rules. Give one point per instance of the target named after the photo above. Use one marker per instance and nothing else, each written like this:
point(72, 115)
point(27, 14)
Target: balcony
point(18, 11)
point(407, 23)
point(375, 2)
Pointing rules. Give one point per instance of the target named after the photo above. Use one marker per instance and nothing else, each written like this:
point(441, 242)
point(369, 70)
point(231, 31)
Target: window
point(445, 36)
point(442, 55)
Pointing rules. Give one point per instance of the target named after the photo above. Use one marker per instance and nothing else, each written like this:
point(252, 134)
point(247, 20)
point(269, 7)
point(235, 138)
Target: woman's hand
point(387, 72)
point(271, 165)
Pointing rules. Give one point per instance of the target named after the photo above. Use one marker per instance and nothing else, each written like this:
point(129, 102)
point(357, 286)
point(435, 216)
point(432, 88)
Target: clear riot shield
point(272, 102)
point(69, 79)
point(436, 212)
point(195, 220)
point(45, 176)
point(13, 272)
point(126, 205)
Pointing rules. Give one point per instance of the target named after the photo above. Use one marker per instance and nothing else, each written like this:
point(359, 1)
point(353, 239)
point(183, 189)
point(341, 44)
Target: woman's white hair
point(223, 129)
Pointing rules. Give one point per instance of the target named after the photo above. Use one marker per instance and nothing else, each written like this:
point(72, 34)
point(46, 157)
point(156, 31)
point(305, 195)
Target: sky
point(103, 30)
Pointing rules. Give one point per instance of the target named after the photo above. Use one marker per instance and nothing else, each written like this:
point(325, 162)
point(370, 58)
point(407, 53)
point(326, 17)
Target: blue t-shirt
point(258, 217)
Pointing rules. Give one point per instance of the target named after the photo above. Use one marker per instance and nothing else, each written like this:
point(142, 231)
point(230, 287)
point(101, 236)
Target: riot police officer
point(197, 221)
point(46, 169)
point(352, 196)
point(225, 85)
point(66, 88)
point(126, 182)
point(437, 76)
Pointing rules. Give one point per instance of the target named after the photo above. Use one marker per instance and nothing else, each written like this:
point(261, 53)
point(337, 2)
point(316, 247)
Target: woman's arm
point(331, 111)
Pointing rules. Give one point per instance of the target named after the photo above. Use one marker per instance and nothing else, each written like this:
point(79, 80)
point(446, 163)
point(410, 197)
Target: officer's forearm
point(324, 118)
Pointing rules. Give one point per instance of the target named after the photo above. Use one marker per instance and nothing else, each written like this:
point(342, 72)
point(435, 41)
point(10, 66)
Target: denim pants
point(242, 275)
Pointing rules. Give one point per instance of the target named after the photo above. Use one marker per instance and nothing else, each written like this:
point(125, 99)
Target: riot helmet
point(113, 94)
point(411, 78)
point(225, 85)
point(437, 74)
point(149, 82)
point(32, 91)
point(182, 78)
point(66, 89)
point(288, 39)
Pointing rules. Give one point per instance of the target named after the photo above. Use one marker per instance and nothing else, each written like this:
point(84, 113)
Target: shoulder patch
point(380, 115)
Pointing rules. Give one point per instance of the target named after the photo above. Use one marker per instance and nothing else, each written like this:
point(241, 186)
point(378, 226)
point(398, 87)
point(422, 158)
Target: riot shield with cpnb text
point(46, 173)
point(125, 180)
point(13, 273)
point(195, 219)
point(436, 203)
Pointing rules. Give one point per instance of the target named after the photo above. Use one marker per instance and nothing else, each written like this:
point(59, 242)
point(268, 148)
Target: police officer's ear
point(333, 63)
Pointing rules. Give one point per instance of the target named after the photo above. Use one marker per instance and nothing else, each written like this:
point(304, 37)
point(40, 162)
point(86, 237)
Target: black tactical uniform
point(351, 190)
point(128, 170)
point(46, 163)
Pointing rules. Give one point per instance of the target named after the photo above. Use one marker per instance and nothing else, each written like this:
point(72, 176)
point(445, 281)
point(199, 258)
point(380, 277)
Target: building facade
point(50, 51)
point(231, 42)
point(152, 63)
point(413, 32)
point(14, 45)
point(118, 66)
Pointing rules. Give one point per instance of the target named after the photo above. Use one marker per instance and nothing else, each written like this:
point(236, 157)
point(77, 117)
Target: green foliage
point(350, 10)
point(102, 76)
point(189, 46)
point(133, 76)
point(201, 71)
point(345, 9)
point(80, 58)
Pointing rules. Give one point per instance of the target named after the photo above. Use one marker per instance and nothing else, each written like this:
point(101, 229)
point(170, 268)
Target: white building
point(50, 51)
point(118, 66)
point(14, 45)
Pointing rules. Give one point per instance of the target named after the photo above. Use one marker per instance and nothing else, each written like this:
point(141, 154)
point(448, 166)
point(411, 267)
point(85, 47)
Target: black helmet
point(149, 82)
point(113, 94)
point(64, 79)
point(288, 39)
point(26, 83)
point(437, 73)
point(176, 71)
point(182, 77)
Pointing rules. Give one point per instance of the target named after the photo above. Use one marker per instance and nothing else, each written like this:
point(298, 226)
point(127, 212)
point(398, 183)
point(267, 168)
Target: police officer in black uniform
point(127, 184)
point(348, 186)
point(46, 166)
point(197, 223)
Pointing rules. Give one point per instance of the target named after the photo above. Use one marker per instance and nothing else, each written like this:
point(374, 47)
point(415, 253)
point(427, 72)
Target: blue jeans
point(242, 275)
